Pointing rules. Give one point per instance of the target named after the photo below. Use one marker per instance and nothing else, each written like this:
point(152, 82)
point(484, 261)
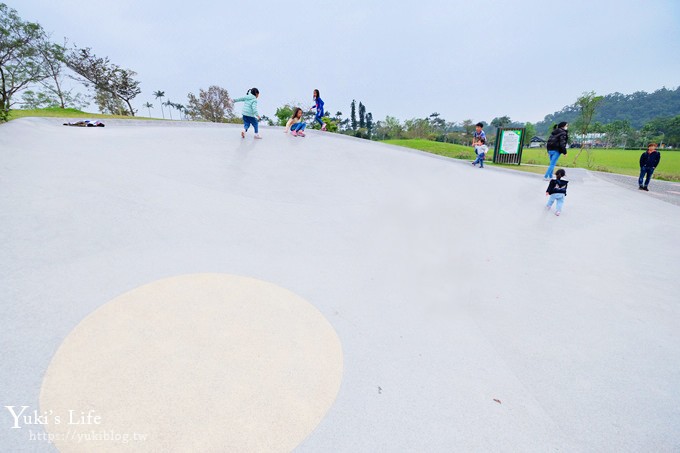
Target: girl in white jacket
point(295, 124)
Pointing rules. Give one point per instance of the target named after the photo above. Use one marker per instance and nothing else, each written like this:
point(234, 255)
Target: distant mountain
point(638, 108)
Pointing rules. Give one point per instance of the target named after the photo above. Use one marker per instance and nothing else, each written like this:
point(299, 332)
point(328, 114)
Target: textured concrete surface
point(470, 319)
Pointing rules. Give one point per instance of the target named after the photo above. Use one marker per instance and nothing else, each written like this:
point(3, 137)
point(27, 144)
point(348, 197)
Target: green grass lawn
point(56, 112)
point(620, 161)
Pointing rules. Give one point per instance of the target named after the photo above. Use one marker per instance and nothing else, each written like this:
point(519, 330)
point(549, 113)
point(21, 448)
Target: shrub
point(283, 114)
point(331, 126)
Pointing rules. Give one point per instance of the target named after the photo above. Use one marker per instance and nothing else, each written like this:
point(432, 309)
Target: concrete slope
point(468, 317)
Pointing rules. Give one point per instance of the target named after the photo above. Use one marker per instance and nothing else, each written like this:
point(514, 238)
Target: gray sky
point(463, 59)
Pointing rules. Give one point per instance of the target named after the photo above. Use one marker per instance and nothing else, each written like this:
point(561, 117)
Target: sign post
point(509, 144)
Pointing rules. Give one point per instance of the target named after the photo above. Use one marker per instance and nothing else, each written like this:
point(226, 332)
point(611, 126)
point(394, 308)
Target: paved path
point(662, 190)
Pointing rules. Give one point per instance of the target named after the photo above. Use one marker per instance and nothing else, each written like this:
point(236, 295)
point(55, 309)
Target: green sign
point(510, 141)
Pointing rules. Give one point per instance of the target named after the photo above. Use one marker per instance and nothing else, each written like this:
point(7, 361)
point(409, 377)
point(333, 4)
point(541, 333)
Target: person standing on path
point(250, 115)
point(557, 144)
point(648, 162)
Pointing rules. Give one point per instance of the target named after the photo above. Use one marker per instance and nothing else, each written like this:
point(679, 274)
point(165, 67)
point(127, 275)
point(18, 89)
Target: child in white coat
point(481, 150)
point(295, 124)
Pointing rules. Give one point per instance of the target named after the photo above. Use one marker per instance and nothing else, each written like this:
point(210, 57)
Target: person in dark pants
point(648, 162)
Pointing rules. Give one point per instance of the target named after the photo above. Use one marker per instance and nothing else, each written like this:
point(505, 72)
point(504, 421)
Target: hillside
point(638, 108)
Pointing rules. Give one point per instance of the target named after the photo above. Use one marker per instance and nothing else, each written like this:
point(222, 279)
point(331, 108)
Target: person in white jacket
point(295, 124)
point(481, 150)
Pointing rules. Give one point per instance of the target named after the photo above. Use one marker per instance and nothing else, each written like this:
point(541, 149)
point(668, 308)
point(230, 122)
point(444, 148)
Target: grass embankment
point(56, 112)
point(619, 161)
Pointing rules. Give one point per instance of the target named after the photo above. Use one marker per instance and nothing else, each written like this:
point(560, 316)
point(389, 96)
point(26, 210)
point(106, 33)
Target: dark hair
point(559, 174)
point(560, 125)
point(481, 139)
point(316, 93)
point(480, 125)
point(253, 91)
point(295, 112)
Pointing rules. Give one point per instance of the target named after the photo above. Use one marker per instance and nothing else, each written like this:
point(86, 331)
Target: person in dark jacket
point(557, 144)
point(648, 162)
point(557, 189)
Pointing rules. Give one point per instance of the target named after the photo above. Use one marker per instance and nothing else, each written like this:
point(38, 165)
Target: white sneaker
point(557, 212)
point(258, 136)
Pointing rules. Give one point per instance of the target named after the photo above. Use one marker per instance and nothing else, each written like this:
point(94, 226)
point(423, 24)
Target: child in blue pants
point(319, 110)
point(557, 189)
point(250, 115)
point(295, 124)
point(481, 150)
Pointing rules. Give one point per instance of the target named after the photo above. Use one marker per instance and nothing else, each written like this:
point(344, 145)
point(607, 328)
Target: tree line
point(29, 58)
point(637, 109)
point(36, 67)
point(582, 115)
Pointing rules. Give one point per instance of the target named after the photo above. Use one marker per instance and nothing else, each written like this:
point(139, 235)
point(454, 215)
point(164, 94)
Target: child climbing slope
point(250, 115)
point(319, 110)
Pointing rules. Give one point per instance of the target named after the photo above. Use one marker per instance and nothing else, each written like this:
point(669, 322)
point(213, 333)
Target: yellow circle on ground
point(204, 362)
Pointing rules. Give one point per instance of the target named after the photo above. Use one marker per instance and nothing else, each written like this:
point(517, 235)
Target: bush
point(331, 126)
point(284, 114)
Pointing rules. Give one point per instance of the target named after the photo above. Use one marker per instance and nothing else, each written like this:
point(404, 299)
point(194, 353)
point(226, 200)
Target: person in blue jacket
point(648, 162)
point(250, 115)
point(319, 110)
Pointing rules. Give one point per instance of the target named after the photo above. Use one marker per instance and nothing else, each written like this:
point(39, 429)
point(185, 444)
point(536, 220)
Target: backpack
point(553, 142)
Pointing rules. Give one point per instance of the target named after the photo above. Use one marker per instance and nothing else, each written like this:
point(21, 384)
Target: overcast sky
point(463, 59)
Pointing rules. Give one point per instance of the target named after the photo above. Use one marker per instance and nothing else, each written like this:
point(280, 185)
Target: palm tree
point(149, 106)
point(160, 94)
point(169, 104)
point(181, 109)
